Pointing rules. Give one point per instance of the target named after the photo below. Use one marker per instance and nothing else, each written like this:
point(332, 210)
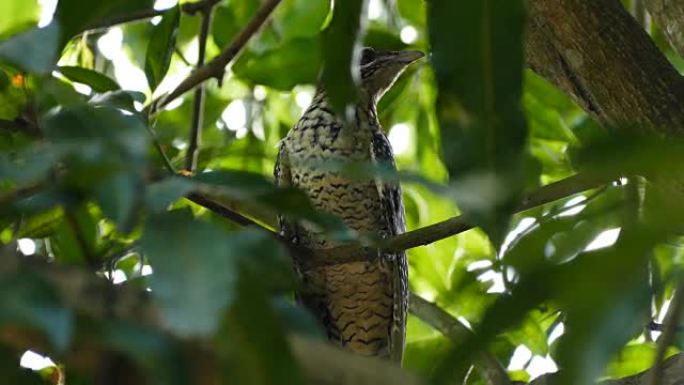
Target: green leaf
point(300, 18)
point(106, 151)
point(29, 300)
point(41, 56)
point(160, 195)
point(300, 59)
point(340, 40)
point(161, 46)
point(195, 268)
point(97, 81)
point(75, 17)
point(18, 15)
point(477, 57)
point(253, 340)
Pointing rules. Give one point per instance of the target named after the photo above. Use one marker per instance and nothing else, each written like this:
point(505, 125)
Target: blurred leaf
point(195, 268)
point(633, 359)
point(13, 374)
point(477, 57)
point(253, 339)
point(75, 17)
point(160, 195)
point(413, 11)
point(97, 81)
point(228, 20)
point(340, 40)
point(161, 46)
point(300, 18)
point(249, 187)
point(151, 348)
point(119, 99)
point(42, 55)
point(299, 59)
point(106, 151)
point(18, 15)
point(28, 300)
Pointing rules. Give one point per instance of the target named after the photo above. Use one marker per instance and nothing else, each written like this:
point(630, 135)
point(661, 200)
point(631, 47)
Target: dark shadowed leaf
point(97, 81)
point(195, 268)
point(75, 17)
point(29, 300)
point(253, 339)
point(477, 57)
point(161, 46)
point(339, 41)
point(42, 55)
point(106, 150)
point(12, 373)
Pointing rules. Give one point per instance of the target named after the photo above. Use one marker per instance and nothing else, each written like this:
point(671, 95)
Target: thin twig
point(671, 322)
point(222, 210)
point(198, 106)
point(438, 318)
point(216, 67)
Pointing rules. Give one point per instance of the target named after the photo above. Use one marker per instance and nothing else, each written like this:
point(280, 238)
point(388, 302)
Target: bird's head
point(380, 68)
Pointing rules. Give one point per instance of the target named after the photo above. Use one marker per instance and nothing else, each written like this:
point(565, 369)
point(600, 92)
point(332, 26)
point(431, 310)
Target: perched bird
point(361, 305)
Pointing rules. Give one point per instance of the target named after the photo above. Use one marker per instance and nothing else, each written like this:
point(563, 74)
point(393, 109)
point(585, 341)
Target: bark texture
point(596, 52)
point(669, 15)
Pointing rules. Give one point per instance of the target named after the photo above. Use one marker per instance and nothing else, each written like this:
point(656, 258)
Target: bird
point(362, 306)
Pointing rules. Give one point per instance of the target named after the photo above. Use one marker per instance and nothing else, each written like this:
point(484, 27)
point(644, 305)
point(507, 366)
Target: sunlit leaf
point(97, 81)
point(161, 46)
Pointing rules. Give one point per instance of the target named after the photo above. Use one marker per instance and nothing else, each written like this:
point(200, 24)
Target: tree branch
point(671, 322)
point(216, 67)
point(438, 318)
point(596, 52)
point(198, 106)
point(669, 15)
point(456, 225)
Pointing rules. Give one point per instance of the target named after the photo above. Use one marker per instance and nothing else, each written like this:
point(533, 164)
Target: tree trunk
point(596, 52)
point(669, 15)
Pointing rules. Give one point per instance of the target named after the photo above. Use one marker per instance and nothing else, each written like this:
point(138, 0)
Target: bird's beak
point(409, 56)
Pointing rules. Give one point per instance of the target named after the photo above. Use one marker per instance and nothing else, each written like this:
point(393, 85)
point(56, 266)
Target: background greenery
point(84, 184)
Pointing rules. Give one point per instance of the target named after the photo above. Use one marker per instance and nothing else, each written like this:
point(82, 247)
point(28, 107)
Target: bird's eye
point(367, 55)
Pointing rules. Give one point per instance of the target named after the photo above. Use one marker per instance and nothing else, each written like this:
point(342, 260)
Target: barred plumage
point(362, 305)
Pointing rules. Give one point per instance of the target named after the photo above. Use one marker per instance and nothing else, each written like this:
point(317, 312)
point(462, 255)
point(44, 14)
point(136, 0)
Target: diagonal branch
point(456, 225)
point(438, 318)
point(216, 67)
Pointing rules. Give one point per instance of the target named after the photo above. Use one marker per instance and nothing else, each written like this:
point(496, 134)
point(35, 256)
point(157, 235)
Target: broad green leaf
point(477, 57)
point(340, 40)
point(75, 16)
point(300, 18)
point(18, 15)
point(97, 81)
point(161, 46)
point(300, 59)
point(41, 56)
point(196, 265)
